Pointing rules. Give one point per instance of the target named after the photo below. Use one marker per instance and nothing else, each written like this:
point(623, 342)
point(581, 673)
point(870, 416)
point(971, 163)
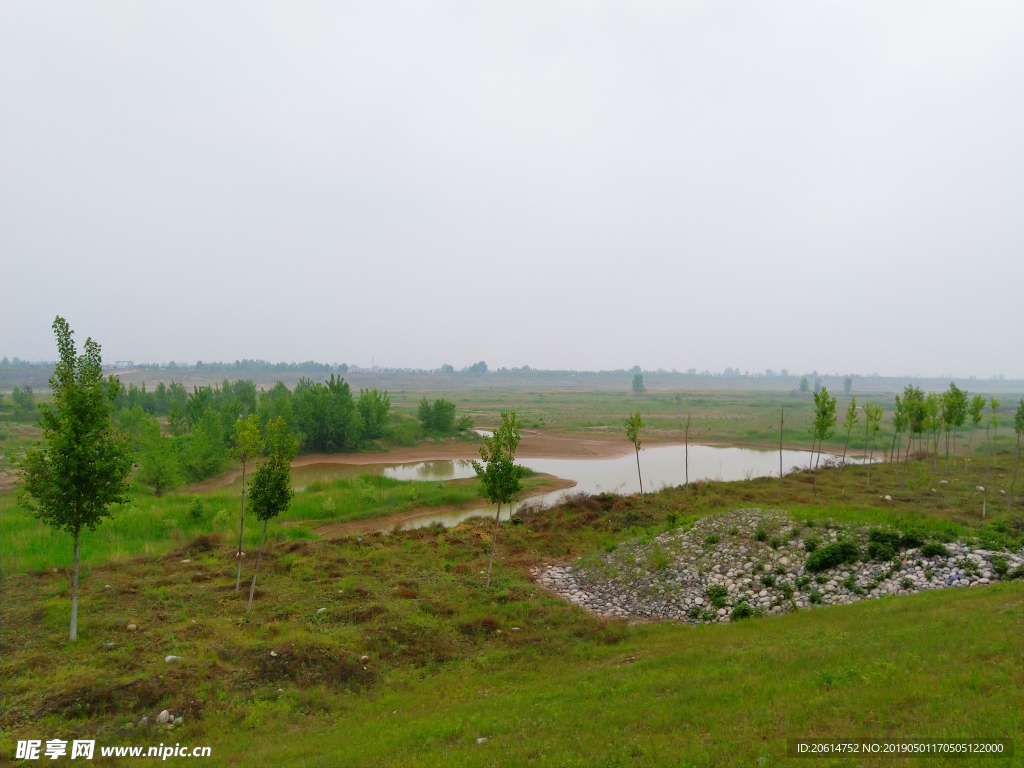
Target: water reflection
point(660, 466)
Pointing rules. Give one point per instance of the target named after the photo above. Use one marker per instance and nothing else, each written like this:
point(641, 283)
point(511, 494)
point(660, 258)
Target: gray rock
point(172, 659)
point(163, 718)
point(482, 740)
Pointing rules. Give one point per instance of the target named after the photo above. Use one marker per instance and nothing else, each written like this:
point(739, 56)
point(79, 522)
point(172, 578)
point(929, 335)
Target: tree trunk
point(259, 554)
point(871, 456)
point(842, 464)
point(782, 421)
point(241, 532)
point(1016, 460)
point(954, 447)
point(687, 438)
point(638, 471)
point(494, 543)
point(74, 594)
point(988, 464)
point(892, 448)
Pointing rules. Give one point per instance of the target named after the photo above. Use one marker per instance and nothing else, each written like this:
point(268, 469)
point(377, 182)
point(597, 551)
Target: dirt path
point(335, 530)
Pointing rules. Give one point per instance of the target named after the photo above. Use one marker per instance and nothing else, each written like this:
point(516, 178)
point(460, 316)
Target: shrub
point(717, 594)
point(811, 544)
point(758, 567)
point(694, 611)
point(880, 550)
point(761, 534)
point(768, 580)
point(808, 523)
point(906, 582)
point(196, 510)
point(934, 549)
point(1016, 573)
point(911, 539)
point(787, 590)
point(801, 581)
point(831, 555)
point(882, 536)
point(780, 570)
point(1000, 564)
point(775, 542)
point(711, 539)
point(660, 559)
point(820, 579)
point(815, 597)
point(743, 610)
point(733, 531)
point(672, 519)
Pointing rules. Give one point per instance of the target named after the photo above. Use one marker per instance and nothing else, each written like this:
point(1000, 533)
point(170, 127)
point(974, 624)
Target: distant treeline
point(324, 416)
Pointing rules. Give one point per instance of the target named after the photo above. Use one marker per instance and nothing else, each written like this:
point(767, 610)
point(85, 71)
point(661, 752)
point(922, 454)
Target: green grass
point(451, 660)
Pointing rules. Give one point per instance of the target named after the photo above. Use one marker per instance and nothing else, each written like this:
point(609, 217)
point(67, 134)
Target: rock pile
point(752, 561)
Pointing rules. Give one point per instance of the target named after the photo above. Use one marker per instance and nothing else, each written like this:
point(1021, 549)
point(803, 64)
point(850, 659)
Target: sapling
point(634, 425)
point(1018, 427)
point(976, 411)
point(247, 445)
point(71, 481)
point(994, 422)
point(849, 423)
point(271, 490)
point(873, 417)
point(500, 477)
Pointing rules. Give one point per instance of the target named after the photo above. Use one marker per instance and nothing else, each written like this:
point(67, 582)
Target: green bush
point(733, 531)
point(1016, 573)
point(801, 581)
point(911, 538)
point(710, 540)
point(787, 589)
point(780, 570)
point(743, 610)
point(831, 555)
point(775, 542)
point(906, 582)
point(1000, 564)
point(811, 544)
point(768, 580)
point(717, 594)
point(934, 549)
point(880, 550)
point(761, 534)
point(815, 597)
point(882, 536)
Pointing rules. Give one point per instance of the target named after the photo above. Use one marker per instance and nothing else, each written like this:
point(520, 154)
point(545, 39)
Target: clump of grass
point(934, 549)
point(811, 543)
point(743, 610)
point(711, 540)
point(906, 582)
point(768, 580)
point(761, 534)
point(801, 581)
point(660, 559)
point(780, 569)
point(1000, 564)
point(815, 597)
point(775, 542)
point(831, 555)
point(717, 595)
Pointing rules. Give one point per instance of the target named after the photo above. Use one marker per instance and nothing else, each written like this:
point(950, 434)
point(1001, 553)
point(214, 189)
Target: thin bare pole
point(687, 438)
point(782, 421)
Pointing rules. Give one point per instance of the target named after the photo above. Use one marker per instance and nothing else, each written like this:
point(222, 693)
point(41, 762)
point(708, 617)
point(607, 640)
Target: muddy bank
point(337, 530)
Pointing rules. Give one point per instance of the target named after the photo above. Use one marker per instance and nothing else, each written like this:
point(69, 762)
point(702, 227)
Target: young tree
point(913, 402)
point(83, 468)
point(158, 463)
point(1018, 427)
point(634, 425)
point(976, 411)
point(994, 422)
point(848, 384)
point(873, 417)
point(782, 422)
point(933, 423)
point(686, 441)
point(824, 423)
point(848, 423)
point(271, 489)
point(638, 382)
point(954, 415)
point(375, 408)
point(805, 386)
point(899, 424)
point(500, 477)
point(246, 446)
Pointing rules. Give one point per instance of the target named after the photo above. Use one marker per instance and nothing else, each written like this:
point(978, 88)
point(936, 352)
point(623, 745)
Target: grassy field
point(451, 660)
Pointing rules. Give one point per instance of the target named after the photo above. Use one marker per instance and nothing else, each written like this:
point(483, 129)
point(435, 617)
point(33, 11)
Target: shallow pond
point(660, 466)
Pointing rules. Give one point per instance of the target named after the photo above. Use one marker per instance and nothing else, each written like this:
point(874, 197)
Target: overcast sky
point(816, 185)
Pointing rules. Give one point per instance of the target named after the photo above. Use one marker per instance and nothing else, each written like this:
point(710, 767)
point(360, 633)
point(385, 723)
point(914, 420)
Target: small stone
point(108, 646)
point(365, 658)
point(280, 691)
point(186, 561)
point(179, 720)
point(320, 610)
point(888, 497)
point(144, 721)
point(273, 653)
point(172, 659)
point(106, 586)
point(482, 740)
point(163, 718)
point(132, 627)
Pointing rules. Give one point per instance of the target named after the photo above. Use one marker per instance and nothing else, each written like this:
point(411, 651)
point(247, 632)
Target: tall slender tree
point(271, 490)
point(500, 477)
point(634, 425)
point(246, 445)
point(1018, 427)
point(976, 411)
point(994, 422)
point(872, 419)
point(954, 415)
point(82, 469)
point(686, 438)
point(848, 423)
point(824, 418)
point(782, 422)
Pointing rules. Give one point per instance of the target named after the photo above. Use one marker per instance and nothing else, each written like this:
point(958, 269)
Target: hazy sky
point(826, 185)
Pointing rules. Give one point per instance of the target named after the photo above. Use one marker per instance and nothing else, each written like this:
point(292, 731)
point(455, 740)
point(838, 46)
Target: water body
point(660, 466)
